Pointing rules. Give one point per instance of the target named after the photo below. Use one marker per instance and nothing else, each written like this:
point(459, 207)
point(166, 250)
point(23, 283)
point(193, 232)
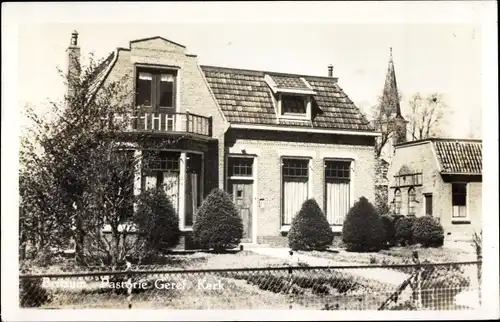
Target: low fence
point(450, 286)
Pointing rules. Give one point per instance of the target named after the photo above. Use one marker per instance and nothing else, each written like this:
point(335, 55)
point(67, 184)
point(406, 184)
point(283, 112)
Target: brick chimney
point(330, 70)
point(73, 62)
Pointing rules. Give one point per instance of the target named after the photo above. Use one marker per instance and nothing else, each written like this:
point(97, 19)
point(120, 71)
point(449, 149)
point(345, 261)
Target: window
point(194, 192)
point(295, 177)
point(155, 88)
point(240, 167)
point(428, 204)
point(293, 104)
point(412, 199)
point(397, 201)
point(160, 169)
point(459, 200)
point(337, 194)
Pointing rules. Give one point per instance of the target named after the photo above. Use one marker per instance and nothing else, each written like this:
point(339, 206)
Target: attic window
point(291, 104)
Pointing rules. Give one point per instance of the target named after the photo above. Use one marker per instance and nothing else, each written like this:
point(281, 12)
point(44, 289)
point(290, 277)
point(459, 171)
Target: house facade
point(440, 178)
point(272, 140)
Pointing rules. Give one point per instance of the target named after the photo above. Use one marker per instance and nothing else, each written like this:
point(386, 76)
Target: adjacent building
point(442, 178)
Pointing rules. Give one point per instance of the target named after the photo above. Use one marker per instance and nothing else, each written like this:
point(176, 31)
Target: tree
point(383, 120)
point(426, 115)
point(76, 176)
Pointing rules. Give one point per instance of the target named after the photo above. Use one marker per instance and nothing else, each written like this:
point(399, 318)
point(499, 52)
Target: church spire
point(390, 96)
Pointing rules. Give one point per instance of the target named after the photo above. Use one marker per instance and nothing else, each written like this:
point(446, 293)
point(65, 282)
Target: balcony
point(165, 123)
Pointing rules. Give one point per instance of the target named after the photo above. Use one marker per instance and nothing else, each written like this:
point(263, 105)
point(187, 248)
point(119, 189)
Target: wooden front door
point(242, 192)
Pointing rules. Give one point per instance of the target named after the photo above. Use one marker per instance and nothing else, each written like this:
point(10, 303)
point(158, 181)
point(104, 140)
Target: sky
point(444, 58)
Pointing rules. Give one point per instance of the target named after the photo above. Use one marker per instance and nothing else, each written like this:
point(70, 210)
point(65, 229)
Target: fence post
point(290, 282)
point(129, 289)
point(479, 276)
point(418, 283)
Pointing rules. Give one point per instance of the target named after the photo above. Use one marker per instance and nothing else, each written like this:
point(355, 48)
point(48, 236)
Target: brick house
point(440, 178)
point(272, 140)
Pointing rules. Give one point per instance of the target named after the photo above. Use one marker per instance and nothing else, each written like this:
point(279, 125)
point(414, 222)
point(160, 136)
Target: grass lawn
point(397, 255)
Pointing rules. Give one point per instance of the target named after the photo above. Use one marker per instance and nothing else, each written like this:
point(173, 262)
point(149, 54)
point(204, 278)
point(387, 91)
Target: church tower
point(391, 104)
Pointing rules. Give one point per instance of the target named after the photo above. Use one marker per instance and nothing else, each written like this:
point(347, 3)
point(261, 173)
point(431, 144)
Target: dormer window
point(293, 96)
point(293, 105)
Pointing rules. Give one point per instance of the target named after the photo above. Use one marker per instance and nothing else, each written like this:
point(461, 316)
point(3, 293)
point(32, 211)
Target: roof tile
point(459, 156)
point(245, 97)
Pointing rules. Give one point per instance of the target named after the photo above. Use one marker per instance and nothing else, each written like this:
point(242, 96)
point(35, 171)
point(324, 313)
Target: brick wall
point(270, 146)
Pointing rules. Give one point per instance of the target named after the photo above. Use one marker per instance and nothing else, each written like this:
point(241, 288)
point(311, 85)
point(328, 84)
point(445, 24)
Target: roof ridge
point(271, 73)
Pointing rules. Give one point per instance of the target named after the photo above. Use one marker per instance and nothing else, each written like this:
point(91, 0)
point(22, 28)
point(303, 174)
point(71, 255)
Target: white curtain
point(294, 194)
point(337, 202)
point(171, 186)
point(192, 194)
point(459, 211)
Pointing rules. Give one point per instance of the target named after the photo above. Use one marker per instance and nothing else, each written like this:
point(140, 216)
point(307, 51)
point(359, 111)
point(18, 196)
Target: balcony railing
point(164, 122)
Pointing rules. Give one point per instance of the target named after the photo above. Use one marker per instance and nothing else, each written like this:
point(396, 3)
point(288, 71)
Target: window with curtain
point(459, 200)
point(155, 88)
point(295, 190)
point(160, 169)
point(337, 194)
point(194, 192)
point(412, 200)
point(397, 201)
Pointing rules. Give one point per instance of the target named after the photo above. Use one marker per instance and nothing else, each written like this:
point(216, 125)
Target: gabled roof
point(245, 97)
point(101, 72)
point(156, 37)
point(459, 156)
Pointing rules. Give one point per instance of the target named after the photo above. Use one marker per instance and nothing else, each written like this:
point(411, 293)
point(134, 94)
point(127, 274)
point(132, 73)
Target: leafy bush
point(218, 224)
point(428, 232)
point(404, 230)
point(363, 228)
point(31, 292)
point(390, 230)
point(310, 229)
point(158, 220)
point(440, 284)
point(404, 306)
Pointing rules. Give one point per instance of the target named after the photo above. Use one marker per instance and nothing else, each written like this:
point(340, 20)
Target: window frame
point(326, 180)
point(295, 116)
point(307, 179)
point(412, 200)
point(156, 73)
point(398, 194)
point(230, 167)
point(465, 195)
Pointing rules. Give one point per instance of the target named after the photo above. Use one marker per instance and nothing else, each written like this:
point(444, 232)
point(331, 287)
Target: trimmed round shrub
point(363, 229)
point(428, 232)
point(404, 230)
point(390, 230)
point(310, 229)
point(157, 220)
point(218, 224)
